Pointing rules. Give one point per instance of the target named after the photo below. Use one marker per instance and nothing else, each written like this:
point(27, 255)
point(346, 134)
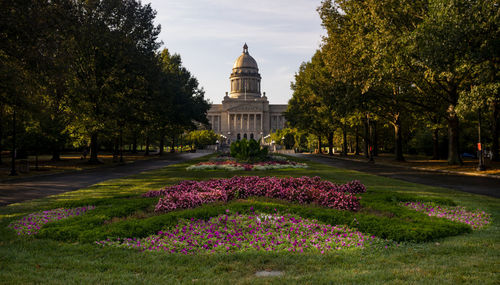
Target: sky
point(209, 35)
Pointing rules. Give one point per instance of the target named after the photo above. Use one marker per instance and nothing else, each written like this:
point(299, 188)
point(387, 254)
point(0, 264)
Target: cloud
point(209, 34)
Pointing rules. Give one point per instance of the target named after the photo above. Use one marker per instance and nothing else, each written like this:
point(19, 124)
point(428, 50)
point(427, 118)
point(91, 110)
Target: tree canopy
point(394, 62)
point(88, 74)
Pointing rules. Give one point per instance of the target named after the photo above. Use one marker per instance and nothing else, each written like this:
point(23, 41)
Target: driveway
point(38, 187)
point(472, 184)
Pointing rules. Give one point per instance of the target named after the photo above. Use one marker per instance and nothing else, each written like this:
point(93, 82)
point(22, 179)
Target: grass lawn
point(64, 254)
point(71, 161)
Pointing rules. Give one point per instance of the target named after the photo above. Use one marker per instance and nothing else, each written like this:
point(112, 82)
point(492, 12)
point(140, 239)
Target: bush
point(393, 222)
point(248, 150)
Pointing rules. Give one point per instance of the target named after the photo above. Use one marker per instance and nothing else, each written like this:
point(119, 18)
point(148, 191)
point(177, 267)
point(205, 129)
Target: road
point(472, 184)
point(19, 190)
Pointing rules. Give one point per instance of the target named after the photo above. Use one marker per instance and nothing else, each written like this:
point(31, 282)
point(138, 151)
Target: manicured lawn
point(64, 252)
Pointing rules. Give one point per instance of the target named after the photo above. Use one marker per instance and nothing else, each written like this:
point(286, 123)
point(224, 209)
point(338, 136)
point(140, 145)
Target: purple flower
point(30, 224)
point(303, 190)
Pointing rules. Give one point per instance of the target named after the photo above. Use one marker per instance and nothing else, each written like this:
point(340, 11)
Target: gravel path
point(38, 187)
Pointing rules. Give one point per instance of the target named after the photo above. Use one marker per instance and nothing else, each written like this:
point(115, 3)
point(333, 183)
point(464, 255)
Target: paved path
point(38, 187)
point(472, 184)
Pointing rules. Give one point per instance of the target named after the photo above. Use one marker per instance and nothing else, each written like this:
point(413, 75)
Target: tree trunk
point(93, 148)
point(453, 137)
point(357, 141)
point(147, 145)
point(496, 132)
point(115, 149)
point(1, 133)
point(366, 138)
point(375, 138)
point(330, 143)
point(121, 143)
point(398, 140)
point(56, 153)
point(162, 144)
point(172, 144)
point(319, 145)
point(134, 144)
point(435, 143)
point(344, 140)
point(13, 171)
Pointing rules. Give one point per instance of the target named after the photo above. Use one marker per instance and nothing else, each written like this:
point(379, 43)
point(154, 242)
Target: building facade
point(245, 112)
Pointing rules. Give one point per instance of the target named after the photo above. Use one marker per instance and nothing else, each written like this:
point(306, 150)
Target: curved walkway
point(472, 184)
point(38, 187)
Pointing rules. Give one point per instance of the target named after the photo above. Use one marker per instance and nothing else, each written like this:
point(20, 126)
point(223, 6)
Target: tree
point(305, 110)
point(111, 33)
point(178, 103)
point(201, 138)
point(413, 55)
point(23, 28)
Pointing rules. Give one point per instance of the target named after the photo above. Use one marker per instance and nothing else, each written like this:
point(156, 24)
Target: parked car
point(468, 155)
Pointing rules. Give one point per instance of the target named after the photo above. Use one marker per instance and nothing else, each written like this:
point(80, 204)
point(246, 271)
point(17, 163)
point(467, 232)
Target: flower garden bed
point(304, 190)
point(476, 219)
point(231, 165)
point(31, 224)
point(253, 232)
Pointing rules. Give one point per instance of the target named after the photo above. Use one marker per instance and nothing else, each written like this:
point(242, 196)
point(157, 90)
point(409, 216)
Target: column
point(261, 122)
point(228, 122)
point(248, 122)
point(254, 122)
point(241, 121)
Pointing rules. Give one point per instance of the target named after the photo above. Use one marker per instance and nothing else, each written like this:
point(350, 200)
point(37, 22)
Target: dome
point(245, 78)
point(245, 60)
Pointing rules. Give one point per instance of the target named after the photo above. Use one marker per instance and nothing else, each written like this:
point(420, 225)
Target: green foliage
point(78, 262)
point(80, 71)
point(201, 138)
point(248, 150)
point(85, 227)
point(288, 137)
point(381, 216)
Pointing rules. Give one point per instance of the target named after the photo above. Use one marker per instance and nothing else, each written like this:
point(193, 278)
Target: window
point(245, 136)
point(238, 137)
point(251, 136)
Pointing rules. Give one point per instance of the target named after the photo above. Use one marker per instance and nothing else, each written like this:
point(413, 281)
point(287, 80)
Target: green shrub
point(380, 216)
point(248, 150)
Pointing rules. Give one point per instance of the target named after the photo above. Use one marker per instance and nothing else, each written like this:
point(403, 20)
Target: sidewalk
point(13, 191)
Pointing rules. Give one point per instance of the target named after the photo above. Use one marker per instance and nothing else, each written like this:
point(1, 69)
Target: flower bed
point(255, 232)
point(232, 165)
point(476, 219)
point(31, 224)
point(304, 190)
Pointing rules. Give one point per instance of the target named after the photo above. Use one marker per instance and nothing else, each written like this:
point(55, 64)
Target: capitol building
point(245, 112)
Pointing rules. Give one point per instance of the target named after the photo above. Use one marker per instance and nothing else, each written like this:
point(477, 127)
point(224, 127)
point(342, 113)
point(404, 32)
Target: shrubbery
point(380, 215)
point(398, 223)
point(248, 150)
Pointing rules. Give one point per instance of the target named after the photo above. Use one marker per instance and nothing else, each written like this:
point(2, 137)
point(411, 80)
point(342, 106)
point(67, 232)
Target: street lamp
point(480, 166)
